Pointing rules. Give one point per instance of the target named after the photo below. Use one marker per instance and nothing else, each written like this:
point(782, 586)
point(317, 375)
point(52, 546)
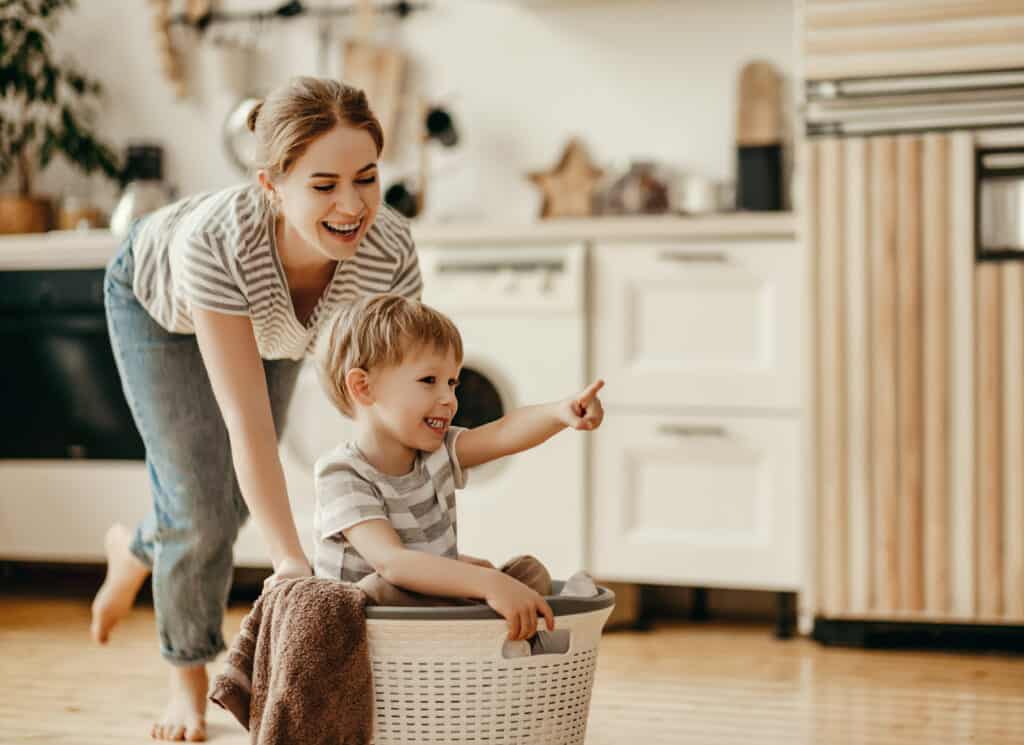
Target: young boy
point(386, 500)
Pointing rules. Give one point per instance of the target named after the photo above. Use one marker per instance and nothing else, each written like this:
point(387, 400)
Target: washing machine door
point(480, 401)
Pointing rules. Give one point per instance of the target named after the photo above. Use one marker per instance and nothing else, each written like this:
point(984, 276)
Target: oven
point(59, 386)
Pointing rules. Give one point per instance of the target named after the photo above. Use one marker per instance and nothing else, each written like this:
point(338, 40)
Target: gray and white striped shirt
point(419, 505)
point(217, 250)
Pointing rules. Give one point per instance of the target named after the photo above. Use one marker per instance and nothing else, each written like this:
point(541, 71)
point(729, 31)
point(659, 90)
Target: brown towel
point(299, 670)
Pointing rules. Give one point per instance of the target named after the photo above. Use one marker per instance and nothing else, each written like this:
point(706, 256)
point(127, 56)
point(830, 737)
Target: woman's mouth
point(345, 231)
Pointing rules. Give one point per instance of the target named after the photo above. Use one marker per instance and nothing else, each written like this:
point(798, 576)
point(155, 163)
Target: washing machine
point(520, 310)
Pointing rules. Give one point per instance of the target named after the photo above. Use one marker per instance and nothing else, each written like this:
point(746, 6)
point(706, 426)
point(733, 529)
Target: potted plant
point(45, 109)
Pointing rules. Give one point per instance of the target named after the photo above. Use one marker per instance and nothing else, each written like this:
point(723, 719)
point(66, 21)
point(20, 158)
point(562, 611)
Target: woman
point(212, 303)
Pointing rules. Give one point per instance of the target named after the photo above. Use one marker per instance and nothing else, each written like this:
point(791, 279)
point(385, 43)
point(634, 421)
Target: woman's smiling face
point(330, 196)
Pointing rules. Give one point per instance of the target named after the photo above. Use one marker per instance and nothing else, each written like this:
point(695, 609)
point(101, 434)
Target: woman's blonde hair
point(379, 331)
point(295, 114)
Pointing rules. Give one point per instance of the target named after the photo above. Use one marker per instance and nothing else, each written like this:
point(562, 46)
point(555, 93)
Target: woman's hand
point(583, 411)
point(475, 561)
point(290, 567)
point(518, 605)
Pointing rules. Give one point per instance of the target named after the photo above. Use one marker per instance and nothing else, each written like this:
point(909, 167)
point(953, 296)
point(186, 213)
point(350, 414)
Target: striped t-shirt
point(419, 505)
point(217, 251)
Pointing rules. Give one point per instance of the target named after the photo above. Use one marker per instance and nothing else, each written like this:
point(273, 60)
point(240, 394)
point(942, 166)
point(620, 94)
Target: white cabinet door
point(688, 500)
point(697, 325)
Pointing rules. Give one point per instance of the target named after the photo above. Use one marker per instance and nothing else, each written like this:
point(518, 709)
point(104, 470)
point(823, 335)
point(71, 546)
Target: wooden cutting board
point(378, 70)
point(759, 117)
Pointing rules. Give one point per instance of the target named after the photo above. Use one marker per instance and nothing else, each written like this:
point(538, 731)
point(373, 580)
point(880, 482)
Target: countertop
point(91, 249)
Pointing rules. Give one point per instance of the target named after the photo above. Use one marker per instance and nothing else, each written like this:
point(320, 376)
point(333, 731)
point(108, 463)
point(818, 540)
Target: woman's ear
point(268, 186)
point(357, 381)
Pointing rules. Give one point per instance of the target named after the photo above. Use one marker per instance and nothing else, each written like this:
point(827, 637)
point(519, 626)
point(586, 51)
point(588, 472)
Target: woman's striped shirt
point(217, 251)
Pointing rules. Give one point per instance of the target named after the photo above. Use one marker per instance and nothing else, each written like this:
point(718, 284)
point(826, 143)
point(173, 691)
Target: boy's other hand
point(518, 605)
point(584, 411)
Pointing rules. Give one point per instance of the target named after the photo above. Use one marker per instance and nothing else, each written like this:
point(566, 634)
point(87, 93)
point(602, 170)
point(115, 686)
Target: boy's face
point(415, 400)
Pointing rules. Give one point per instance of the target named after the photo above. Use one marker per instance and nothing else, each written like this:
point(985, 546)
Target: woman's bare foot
point(185, 717)
point(125, 575)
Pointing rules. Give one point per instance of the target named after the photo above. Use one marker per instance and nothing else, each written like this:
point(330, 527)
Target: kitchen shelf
point(90, 249)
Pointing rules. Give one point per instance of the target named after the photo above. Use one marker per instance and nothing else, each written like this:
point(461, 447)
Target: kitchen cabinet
point(697, 500)
point(699, 324)
point(697, 477)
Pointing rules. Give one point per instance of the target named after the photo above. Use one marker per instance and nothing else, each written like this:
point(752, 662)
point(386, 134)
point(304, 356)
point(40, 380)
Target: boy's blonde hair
point(379, 331)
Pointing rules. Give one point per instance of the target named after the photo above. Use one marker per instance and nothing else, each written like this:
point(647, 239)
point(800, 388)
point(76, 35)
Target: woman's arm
point(232, 360)
point(528, 427)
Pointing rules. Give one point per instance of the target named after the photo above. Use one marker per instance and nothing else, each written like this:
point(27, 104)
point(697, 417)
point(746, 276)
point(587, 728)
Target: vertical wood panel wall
point(919, 364)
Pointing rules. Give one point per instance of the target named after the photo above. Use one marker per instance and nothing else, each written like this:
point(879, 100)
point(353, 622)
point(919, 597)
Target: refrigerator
point(913, 202)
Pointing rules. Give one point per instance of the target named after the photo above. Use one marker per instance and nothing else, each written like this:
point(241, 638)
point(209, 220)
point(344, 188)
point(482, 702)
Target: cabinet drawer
point(708, 501)
point(717, 324)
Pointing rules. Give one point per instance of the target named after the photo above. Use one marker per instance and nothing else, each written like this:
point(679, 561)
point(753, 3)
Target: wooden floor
point(678, 684)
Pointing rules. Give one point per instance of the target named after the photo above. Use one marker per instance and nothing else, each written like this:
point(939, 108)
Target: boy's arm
point(528, 427)
point(379, 544)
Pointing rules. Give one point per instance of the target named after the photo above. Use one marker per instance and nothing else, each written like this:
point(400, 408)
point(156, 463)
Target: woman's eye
point(364, 181)
point(324, 187)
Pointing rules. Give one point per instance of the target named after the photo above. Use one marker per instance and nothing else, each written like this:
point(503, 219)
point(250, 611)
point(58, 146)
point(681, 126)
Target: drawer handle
point(694, 257)
point(680, 430)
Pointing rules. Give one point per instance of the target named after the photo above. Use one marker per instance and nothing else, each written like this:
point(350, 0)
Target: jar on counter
point(642, 190)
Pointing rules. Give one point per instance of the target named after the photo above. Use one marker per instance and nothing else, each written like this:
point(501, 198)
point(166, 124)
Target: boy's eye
point(429, 380)
point(453, 383)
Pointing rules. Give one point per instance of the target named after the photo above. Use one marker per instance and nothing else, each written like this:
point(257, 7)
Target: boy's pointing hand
point(584, 411)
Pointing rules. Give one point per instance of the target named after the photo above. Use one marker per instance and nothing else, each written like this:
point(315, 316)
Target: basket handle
point(557, 642)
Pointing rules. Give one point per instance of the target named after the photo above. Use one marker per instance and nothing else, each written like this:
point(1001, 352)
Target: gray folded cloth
point(580, 585)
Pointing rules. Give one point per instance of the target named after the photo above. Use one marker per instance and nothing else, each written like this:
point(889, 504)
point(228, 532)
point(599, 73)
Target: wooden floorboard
point(678, 684)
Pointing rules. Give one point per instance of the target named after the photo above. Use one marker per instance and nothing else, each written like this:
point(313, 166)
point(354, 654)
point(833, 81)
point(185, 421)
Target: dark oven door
point(59, 386)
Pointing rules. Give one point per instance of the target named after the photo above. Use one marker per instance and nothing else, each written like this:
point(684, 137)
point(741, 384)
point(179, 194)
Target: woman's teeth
point(342, 229)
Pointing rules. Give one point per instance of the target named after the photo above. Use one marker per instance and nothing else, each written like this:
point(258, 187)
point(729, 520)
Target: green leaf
point(53, 100)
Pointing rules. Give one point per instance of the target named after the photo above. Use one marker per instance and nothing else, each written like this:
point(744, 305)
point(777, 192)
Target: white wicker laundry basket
point(440, 676)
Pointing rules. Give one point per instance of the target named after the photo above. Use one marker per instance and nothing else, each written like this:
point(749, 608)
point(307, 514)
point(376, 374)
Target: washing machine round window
point(484, 396)
point(479, 400)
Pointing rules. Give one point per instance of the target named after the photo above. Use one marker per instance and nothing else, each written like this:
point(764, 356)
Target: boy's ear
point(357, 381)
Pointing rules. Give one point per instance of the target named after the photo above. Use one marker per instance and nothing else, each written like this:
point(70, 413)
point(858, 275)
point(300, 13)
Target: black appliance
point(59, 387)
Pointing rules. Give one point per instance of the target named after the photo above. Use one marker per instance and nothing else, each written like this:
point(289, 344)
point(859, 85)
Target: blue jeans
point(188, 537)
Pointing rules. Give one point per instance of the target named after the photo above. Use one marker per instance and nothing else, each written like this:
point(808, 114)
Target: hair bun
point(250, 121)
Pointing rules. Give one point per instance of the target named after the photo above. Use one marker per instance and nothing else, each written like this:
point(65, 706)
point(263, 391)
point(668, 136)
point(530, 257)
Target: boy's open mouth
point(438, 425)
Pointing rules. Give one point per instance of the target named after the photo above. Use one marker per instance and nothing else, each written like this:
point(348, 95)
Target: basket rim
point(561, 605)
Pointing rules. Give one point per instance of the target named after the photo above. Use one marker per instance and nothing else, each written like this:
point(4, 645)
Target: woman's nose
point(348, 201)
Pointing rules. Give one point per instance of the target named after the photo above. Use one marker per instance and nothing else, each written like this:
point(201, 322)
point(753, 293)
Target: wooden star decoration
point(569, 187)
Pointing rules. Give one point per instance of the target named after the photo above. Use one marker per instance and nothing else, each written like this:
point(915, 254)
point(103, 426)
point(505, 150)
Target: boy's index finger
point(590, 392)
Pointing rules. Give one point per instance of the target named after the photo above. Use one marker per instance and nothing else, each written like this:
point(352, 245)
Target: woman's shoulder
point(391, 231)
point(234, 218)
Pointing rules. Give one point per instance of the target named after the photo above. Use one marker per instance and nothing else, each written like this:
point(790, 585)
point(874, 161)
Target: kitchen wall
point(634, 78)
